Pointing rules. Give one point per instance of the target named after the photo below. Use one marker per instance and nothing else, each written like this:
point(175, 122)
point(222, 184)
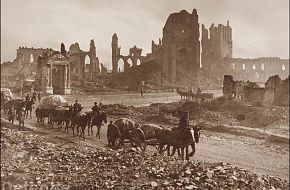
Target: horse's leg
point(193, 150)
point(182, 153)
point(30, 114)
point(186, 153)
point(98, 133)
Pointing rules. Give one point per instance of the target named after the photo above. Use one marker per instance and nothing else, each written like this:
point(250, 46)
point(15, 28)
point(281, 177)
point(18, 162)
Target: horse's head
point(196, 130)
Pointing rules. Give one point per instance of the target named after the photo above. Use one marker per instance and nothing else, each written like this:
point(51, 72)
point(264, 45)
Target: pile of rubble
point(30, 161)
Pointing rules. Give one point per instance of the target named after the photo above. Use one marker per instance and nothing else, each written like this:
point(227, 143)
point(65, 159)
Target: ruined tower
point(180, 43)
point(94, 62)
point(115, 53)
point(216, 48)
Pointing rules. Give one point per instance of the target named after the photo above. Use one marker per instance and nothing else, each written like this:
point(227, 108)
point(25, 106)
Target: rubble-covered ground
point(30, 159)
point(218, 115)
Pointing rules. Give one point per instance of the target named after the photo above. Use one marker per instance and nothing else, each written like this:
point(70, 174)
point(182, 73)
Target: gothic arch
point(138, 62)
point(283, 67)
point(130, 62)
point(87, 62)
point(262, 66)
point(121, 65)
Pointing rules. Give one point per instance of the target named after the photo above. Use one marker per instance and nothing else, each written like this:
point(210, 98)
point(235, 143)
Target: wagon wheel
point(138, 139)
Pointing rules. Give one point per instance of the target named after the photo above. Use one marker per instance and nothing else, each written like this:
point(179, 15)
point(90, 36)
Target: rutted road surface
point(255, 155)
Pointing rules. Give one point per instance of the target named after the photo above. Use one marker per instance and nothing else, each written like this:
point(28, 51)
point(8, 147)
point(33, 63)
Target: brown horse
point(21, 116)
point(97, 120)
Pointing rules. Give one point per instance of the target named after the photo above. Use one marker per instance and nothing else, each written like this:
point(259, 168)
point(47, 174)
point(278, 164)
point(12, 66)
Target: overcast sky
point(260, 27)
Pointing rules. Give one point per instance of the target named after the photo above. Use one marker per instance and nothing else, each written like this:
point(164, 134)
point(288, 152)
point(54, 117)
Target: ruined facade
point(275, 91)
point(84, 64)
point(217, 60)
point(121, 63)
point(53, 74)
point(179, 48)
point(217, 48)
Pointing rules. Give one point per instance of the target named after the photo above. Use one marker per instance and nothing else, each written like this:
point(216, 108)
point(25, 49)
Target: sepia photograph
point(147, 94)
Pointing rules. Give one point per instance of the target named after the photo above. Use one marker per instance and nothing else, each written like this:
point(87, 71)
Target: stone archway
point(121, 65)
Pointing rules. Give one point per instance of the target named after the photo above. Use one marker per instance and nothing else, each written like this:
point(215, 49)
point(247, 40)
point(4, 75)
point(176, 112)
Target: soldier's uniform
point(184, 120)
point(76, 106)
point(96, 109)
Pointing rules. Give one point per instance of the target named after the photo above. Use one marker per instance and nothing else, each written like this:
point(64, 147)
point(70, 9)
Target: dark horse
point(97, 120)
point(179, 139)
point(29, 107)
point(81, 120)
point(20, 113)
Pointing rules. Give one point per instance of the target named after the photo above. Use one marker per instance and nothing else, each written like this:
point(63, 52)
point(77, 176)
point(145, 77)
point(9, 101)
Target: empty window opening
point(234, 66)
point(262, 67)
point(283, 67)
point(244, 66)
point(254, 67)
point(31, 58)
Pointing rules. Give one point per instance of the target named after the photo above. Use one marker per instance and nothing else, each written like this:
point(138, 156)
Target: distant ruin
point(275, 91)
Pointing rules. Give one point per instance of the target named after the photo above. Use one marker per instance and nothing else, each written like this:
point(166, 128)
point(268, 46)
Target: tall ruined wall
point(180, 44)
point(257, 70)
point(217, 48)
point(81, 71)
point(30, 56)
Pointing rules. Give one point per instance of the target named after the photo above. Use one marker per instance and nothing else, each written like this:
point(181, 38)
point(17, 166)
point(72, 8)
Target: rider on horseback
point(76, 107)
point(96, 109)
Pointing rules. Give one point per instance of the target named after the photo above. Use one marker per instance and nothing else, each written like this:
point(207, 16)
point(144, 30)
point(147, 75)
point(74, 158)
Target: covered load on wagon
point(53, 101)
point(6, 94)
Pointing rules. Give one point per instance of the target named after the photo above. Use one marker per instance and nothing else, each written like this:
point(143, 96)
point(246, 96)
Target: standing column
point(65, 76)
point(50, 76)
point(68, 76)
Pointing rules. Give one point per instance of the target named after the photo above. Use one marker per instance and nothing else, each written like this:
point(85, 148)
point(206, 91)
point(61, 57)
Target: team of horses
point(180, 139)
point(122, 129)
point(17, 109)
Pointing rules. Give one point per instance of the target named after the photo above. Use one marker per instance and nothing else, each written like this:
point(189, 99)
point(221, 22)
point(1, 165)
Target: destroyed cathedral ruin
point(181, 53)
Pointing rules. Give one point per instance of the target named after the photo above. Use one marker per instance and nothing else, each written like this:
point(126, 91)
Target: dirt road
point(252, 154)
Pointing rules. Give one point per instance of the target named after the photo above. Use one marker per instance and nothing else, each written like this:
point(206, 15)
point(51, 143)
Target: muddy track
point(255, 155)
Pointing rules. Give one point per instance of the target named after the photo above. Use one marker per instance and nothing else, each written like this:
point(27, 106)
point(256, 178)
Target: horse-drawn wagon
point(124, 130)
point(51, 107)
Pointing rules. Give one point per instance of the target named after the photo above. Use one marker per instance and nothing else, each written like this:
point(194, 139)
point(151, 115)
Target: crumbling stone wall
point(258, 70)
point(134, 57)
point(216, 48)
point(228, 87)
point(77, 58)
point(282, 93)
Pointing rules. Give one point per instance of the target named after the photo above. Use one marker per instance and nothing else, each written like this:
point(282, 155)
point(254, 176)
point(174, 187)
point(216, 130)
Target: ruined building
point(217, 58)
point(276, 91)
point(85, 65)
point(217, 48)
point(121, 63)
point(53, 73)
point(177, 52)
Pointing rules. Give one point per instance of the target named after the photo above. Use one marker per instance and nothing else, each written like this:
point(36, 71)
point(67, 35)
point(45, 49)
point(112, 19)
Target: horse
point(29, 107)
point(62, 115)
point(11, 114)
point(80, 119)
point(97, 120)
point(179, 139)
point(21, 116)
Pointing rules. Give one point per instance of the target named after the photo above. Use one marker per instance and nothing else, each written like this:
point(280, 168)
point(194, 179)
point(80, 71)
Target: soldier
point(96, 108)
point(77, 106)
point(34, 96)
point(39, 96)
point(184, 120)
